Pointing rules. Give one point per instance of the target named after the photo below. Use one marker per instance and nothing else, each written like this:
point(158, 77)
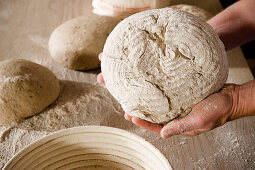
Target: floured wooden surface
point(25, 27)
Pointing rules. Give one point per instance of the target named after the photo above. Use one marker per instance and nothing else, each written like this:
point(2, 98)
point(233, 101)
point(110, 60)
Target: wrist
point(243, 100)
point(234, 112)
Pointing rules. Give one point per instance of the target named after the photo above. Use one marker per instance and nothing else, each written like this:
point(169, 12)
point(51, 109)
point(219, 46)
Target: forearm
point(243, 100)
point(236, 24)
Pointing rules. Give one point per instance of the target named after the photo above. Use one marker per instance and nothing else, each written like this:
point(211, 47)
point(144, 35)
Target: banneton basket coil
point(89, 147)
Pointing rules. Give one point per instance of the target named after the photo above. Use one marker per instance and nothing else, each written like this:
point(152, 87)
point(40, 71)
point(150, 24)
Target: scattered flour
point(206, 108)
point(233, 150)
point(4, 14)
point(80, 104)
point(14, 79)
point(43, 42)
point(182, 142)
point(210, 107)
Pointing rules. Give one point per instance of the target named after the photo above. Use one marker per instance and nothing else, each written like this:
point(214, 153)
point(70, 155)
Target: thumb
point(179, 126)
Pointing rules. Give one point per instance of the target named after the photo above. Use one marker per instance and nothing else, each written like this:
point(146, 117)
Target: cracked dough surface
point(158, 64)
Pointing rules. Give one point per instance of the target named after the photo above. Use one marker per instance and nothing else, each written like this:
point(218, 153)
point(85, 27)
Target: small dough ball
point(78, 42)
point(159, 63)
point(199, 12)
point(26, 88)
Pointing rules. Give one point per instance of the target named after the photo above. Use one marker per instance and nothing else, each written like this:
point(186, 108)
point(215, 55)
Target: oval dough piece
point(78, 42)
point(26, 89)
point(158, 64)
point(199, 12)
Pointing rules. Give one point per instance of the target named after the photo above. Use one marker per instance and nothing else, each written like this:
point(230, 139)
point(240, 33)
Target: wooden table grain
point(25, 27)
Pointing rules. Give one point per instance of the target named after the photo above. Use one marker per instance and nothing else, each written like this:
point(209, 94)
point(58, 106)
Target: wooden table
point(25, 26)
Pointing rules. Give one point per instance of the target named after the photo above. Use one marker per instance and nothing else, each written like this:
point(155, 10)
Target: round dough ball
point(158, 64)
point(26, 88)
point(78, 42)
point(199, 12)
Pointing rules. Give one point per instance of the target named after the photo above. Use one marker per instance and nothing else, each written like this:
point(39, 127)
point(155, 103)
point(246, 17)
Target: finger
point(100, 78)
point(100, 56)
point(192, 133)
point(128, 117)
point(179, 126)
point(147, 125)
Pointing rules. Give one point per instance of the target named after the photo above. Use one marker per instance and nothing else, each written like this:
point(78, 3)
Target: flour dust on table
point(78, 104)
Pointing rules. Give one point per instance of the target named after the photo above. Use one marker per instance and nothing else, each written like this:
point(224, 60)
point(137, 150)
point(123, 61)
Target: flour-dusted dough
point(26, 88)
point(78, 42)
point(158, 64)
point(199, 12)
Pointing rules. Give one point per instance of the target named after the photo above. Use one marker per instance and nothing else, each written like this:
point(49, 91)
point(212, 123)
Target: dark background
point(249, 48)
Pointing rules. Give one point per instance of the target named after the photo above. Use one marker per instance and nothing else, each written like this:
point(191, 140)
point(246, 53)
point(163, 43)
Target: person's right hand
point(230, 103)
point(210, 113)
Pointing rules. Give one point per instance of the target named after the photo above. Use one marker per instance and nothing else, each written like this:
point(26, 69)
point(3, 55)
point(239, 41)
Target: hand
point(212, 112)
point(100, 78)
point(235, 25)
point(232, 102)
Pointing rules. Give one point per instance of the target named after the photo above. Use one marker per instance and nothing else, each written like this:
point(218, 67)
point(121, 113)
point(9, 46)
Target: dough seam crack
point(155, 18)
point(156, 38)
point(163, 92)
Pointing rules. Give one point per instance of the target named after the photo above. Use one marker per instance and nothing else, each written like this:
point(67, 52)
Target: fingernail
point(165, 133)
point(133, 119)
point(100, 56)
point(98, 79)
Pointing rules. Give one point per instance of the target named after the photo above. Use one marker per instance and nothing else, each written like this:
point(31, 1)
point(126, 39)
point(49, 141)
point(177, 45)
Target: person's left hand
point(100, 78)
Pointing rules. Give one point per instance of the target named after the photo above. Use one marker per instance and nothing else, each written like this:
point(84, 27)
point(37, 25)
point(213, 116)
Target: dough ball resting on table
point(78, 42)
point(159, 63)
point(26, 88)
point(199, 12)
